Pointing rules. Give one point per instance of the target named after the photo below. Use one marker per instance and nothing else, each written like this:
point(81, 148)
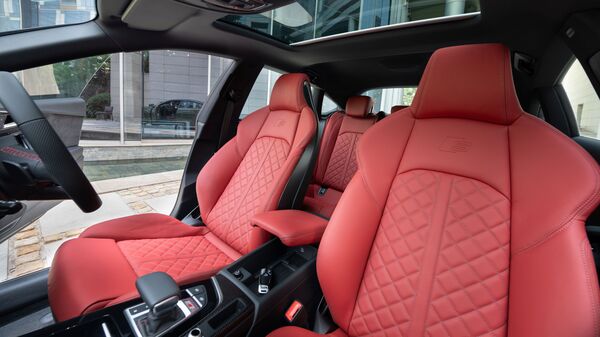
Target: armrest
point(292, 227)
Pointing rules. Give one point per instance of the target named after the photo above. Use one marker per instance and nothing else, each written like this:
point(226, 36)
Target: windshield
point(18, 15)
point(306, 20)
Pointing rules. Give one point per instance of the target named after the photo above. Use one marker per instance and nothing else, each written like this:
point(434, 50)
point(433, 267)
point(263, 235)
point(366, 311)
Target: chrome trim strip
point(105, 330)
point(395, 26)
point(217, 290)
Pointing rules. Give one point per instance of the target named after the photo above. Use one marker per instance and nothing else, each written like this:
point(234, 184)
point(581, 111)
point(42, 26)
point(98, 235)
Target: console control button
point(197, 290)
point(138, 309)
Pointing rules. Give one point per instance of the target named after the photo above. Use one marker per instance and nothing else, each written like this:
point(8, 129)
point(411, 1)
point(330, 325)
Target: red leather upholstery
point(292, 227)
point(245, 177)
point(472, 224)
point(337, 156)
point(359, 106)
point(397, 108)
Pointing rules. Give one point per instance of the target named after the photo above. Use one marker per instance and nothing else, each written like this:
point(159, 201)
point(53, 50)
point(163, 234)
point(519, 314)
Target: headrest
point(359, 106)
point(397, 108)
point(288, 93)
point(470, 82)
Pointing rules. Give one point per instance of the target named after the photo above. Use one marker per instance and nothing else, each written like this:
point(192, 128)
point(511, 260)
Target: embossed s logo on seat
point(455, 145)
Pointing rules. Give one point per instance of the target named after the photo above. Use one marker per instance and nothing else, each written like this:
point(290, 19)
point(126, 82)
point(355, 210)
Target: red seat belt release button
point(293, 311)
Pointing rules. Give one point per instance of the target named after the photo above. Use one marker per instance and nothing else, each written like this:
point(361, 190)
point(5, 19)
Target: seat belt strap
point(228, 113)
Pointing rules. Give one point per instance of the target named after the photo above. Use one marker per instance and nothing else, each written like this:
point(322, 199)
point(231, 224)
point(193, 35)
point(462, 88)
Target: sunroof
point(306, 20)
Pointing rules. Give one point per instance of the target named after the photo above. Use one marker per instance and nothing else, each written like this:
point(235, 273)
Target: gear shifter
point(160, 292)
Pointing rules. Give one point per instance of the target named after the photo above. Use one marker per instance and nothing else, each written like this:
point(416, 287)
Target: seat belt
point(228, 113)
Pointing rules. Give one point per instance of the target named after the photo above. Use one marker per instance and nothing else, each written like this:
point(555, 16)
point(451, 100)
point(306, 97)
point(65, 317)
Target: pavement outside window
point(33, 247)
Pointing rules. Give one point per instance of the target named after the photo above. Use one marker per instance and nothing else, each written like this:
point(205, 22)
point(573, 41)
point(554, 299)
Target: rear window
point(16, 15)
point(584, 100)
point(386, 98)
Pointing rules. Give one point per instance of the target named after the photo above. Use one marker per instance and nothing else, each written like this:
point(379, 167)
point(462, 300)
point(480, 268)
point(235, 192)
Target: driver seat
point(466, 217)
point(245, 177)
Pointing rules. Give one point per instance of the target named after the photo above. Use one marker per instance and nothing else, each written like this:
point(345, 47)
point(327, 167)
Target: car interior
point(469, 210)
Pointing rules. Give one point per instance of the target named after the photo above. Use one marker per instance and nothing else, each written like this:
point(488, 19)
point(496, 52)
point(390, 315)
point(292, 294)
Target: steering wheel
point(52, 152)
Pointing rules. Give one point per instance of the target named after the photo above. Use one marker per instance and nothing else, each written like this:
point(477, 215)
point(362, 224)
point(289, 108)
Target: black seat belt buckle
point(322, 191)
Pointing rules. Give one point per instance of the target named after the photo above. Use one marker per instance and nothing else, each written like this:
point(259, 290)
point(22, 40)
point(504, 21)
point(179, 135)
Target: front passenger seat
point(245, 177)
point(465, 218)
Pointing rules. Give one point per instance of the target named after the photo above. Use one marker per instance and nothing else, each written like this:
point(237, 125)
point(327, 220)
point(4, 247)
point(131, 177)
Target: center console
point(248, 298)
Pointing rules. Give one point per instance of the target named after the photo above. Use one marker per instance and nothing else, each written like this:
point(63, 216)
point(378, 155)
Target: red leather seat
point(245, 177)
point(465, 217)
point(336, 163)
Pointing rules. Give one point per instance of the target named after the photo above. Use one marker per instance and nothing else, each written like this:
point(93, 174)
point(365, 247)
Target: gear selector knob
point(160, 292)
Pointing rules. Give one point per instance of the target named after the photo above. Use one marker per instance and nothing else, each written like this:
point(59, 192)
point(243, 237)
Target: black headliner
point(342, 66)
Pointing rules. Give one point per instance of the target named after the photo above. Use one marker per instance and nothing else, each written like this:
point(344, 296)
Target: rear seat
point(336, 163)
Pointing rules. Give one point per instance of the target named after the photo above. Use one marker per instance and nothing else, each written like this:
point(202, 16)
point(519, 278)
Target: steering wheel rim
point(47, 144)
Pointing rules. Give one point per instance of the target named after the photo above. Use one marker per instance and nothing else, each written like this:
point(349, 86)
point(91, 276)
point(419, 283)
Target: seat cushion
point(102, 265)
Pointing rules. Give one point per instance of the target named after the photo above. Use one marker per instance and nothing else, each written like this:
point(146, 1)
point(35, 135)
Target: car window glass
point(386, 98)
point(584, 100)
point(135, 159)
point(261, 91)
point(328, 106)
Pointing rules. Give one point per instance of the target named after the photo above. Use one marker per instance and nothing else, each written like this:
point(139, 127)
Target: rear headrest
point(288, 93)
point(359, 106)
point(397, 108)
point(470, 82)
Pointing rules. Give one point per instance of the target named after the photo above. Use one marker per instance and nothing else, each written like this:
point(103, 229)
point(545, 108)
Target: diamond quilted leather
point(246, 193)
point(470, 290)
point(385, 301)
point(342, 164)
point(469, 283)
point(174, 256)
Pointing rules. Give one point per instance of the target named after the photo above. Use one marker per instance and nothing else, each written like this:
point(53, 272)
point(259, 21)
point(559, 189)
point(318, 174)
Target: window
point(133, 149)
point(260, 94)
point(305, 20)
point(584, 100)
point(386, 98)
point(25, 14)
point(163, 92)
point(328, 106)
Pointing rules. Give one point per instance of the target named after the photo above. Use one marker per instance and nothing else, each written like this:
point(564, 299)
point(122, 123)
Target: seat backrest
point(248, 174)
point(397, 108)
point(465, 217)
point(336, 162)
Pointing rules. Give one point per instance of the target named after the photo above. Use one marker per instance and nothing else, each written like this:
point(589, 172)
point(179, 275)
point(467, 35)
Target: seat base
point(100, 267)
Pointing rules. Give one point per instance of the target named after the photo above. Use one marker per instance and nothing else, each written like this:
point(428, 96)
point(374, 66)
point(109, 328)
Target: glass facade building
point(24, 14)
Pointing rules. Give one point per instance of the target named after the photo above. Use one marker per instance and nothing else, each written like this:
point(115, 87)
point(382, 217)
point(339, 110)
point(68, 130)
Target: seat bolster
point(85, 275)
point(554, 288)
point(292, 331)
point(141, 226)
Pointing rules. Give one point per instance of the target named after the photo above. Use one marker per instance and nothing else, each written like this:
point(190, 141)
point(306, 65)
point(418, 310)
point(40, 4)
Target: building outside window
point(310, 19)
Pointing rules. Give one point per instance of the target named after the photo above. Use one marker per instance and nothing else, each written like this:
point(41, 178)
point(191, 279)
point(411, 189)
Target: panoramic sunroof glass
point(18, 15)
point(311, 19)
